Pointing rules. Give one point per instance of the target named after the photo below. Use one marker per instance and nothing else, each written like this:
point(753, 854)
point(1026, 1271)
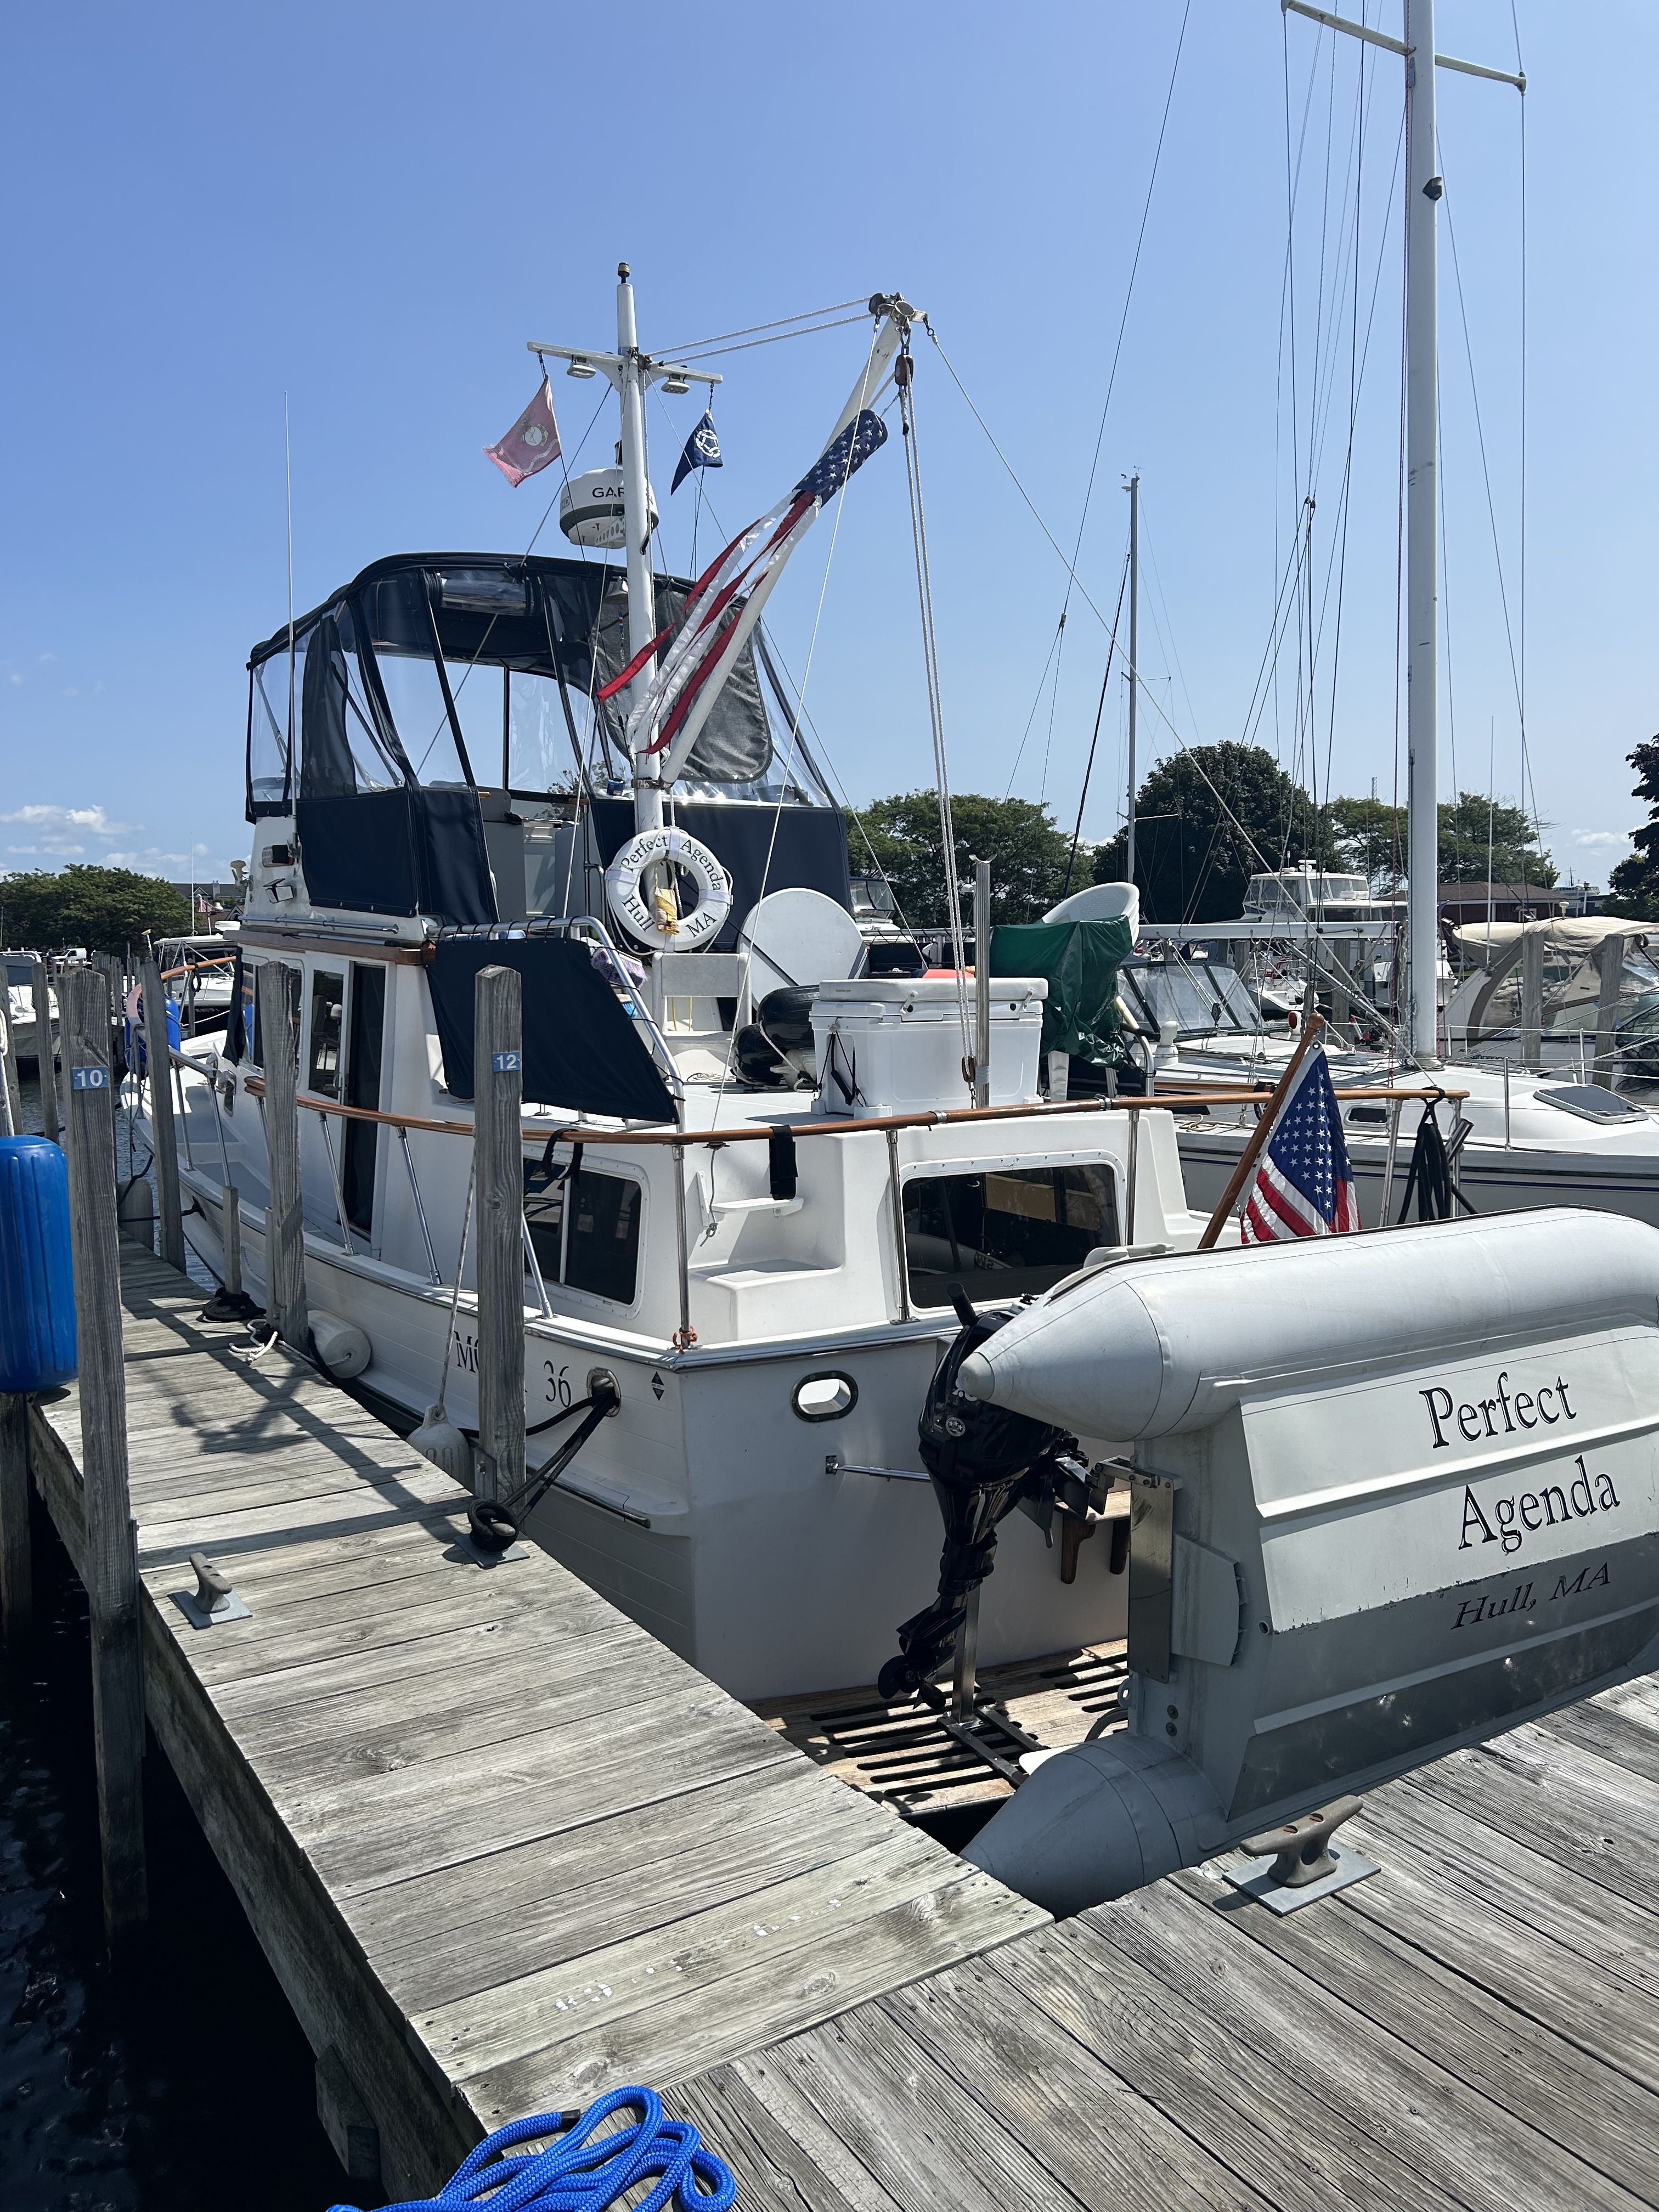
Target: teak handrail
point(587, 1133)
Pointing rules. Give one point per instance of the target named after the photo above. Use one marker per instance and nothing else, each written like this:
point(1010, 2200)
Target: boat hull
point(704, 1509)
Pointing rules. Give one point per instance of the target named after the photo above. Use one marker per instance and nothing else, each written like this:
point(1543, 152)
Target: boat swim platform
point(504, 1850)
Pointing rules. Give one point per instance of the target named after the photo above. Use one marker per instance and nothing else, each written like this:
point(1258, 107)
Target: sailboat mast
point(1135, 664)
point(1423, 191)
point(641, 597)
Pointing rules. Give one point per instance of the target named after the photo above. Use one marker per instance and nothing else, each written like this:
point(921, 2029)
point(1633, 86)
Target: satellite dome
point(591, 509)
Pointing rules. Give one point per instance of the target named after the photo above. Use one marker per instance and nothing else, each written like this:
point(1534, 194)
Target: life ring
point(642, 916)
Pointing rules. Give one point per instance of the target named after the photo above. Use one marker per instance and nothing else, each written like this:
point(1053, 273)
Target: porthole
point(825, 1396)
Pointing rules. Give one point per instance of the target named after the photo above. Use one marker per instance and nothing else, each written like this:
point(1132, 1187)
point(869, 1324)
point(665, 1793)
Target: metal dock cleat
point(213, 1601)
point(1296, 1862)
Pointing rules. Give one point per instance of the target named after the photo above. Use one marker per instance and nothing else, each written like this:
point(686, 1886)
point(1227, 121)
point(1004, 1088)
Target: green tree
point(1207, 820)
point(106, 910)
point(1369, 836)
point(1515, 856)
point(1027, 853)
point(1634, 882)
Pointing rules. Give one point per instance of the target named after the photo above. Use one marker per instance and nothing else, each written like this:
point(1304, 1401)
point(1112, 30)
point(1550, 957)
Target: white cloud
point(1602, 836)
point(153, 861)
point(63, 830)
point(15, 677)
point(57, 834)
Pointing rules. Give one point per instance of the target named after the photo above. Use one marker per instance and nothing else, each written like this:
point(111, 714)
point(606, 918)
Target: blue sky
point(370, 209)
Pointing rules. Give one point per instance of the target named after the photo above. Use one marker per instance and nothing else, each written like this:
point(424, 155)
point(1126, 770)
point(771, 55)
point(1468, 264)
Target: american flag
point(725, 602)
point(1304, 1185)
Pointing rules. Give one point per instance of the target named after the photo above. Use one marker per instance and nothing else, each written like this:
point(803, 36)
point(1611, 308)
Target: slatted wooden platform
point(901, 1751)
point(502, 1848)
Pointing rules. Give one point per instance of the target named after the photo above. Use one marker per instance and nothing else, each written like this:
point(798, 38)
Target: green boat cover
point(1079, 961)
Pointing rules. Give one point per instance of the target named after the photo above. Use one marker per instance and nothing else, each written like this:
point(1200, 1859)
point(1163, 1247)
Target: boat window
point(1023, 1228)
point(543, 1214)
point(327, 1007)
point(538, 756)
point(268, 791)
point(1592, 1102)
point(1198, 996)
point(478, 690)
point(399, 623)
point(601, 1252)
point(341, 751)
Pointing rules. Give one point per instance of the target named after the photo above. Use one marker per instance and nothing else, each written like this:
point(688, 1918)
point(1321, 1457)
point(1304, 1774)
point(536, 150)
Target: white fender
point(634, 910)
point(340, 1345)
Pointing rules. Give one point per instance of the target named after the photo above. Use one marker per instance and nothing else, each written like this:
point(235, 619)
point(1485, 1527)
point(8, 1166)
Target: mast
point(1423, 191)
point(631, 374)
point(642, 592)
point(1134, 663)
point(1424, 187)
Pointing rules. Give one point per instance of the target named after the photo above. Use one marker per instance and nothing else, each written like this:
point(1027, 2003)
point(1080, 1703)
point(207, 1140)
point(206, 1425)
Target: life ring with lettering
point(653, 915)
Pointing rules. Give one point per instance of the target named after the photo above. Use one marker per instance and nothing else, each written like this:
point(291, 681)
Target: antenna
point(287, 477)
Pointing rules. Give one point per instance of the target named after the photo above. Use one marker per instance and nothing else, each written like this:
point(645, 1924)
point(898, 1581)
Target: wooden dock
point(504, 1850)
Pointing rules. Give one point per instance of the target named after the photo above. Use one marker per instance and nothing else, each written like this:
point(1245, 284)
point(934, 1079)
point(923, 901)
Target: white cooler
point(895, 1043)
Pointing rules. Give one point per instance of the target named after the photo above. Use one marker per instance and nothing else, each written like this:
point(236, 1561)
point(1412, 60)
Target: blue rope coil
point(576, 2173)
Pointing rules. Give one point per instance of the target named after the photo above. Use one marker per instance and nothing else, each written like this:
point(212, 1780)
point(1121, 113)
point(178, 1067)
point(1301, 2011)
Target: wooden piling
point(45, 1060)
point(16, 1585)
point(111, 1566)
point(497, 1105)
point(285, 1250)
point(158, 1062)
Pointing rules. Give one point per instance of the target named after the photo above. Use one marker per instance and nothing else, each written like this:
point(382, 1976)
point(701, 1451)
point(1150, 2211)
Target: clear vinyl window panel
point(1571, 997)
point(399, 623)
point(1005, 1232)
point(269, 786)
point(1200, 997)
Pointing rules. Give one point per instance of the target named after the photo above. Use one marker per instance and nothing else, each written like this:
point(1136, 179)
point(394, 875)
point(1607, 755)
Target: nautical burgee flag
point(1304, 1185)
point(724, 603)
point(533, 442)
point(703, 451)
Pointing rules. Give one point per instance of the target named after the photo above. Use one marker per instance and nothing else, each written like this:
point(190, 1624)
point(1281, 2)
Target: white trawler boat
point(752, 1174)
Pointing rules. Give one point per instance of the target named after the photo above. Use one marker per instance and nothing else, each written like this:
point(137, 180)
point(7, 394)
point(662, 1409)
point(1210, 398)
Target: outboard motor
point(776, 1051)
point(983, 1460)
point(1392, 1494)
